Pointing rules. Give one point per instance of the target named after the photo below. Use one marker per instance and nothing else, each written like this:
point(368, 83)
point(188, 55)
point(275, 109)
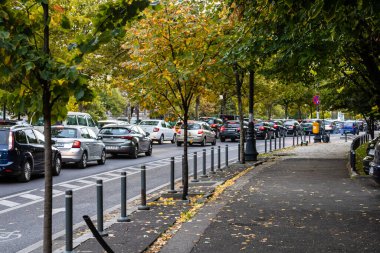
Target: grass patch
point(360, 154)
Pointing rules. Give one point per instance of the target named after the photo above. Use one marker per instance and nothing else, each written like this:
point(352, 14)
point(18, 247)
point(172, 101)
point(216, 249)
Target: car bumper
point(10, 169)
point(190, 139)
point(228, 135)
point(121, 149)
point(72, 155)
point(374, 170)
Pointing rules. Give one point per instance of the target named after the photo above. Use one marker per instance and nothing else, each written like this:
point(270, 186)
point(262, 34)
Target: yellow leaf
point(7, 59)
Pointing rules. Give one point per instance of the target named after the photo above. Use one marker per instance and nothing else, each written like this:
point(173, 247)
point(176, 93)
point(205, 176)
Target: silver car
point(78, 144)
point(197, 132)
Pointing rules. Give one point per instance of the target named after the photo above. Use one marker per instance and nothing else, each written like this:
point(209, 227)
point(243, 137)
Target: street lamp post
point(250, 150)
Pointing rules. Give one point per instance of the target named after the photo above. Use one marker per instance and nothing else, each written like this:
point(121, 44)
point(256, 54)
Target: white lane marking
point(111, 174)
point(55, 211)
point(8, 203)
point(85, 181)
point(132, 168)
point(31, 196)
point(70, 186)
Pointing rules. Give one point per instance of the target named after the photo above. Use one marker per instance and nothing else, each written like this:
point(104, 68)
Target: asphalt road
point(21, 204)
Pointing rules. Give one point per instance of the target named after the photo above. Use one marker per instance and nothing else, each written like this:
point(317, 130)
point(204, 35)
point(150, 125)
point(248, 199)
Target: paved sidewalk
point(306, 202)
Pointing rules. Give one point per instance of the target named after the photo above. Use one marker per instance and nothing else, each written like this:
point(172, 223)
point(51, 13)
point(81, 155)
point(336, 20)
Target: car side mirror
point(147, 134)
point(99, 138)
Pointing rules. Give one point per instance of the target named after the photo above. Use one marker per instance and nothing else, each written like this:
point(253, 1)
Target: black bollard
point(99, 194)
point(353, 160)
point(172, 190)
point(143, 205)
point(69, 220)
point(297, 138)
point(239, 152)
point(309, 137)
point(195, 168)
point(123, 204)
point(275, 142)
point(265, 149)
point(293, 139)
point(283, 141)
point(345, 136)
point(204, 172)
point(279, 141)
point(270, 142)
point(219, 167)
point(226, 156)
point(212, 171)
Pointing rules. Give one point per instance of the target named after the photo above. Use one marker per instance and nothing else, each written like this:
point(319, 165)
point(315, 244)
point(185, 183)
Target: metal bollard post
point(226, 156)
point(293, 139)
point(123, 183)
point(297, 139)
point(265, 147)
point(172, 190)
point(99, 194)
point(309, 137)
point(353, 160)
point(279, 141)
point(275, 142)
point(345, 137)
point(219, 168)
point(212, 171)
point(204, 172)
point(283, 141)
point(270, 143)
point(195, 168)
point(143, 205)
point(69, 220)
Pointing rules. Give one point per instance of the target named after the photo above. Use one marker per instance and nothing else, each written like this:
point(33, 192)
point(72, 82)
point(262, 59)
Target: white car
point(197, 132)
point(159, 130)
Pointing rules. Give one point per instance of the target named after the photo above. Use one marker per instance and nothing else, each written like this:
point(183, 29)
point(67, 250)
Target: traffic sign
point(316, 100)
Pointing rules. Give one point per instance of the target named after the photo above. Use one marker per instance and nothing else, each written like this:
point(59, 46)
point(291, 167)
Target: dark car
point(350, 127)
point(126, 139)
point(279, 128)
point(231, 130)
point(374, 166)
point(292, 127)
point(264, 130)
point(307, 127)
point(370, 151)
point(22, 153)
point(215, 124)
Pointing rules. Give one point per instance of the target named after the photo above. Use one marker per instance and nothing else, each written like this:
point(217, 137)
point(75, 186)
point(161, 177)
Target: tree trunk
point(197, 105)
point(223, 103)
point(286, 108)
point(239, 83)
point(48, 200)
point(185, 164)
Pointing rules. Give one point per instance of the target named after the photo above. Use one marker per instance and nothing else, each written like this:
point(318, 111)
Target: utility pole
point(250, 150)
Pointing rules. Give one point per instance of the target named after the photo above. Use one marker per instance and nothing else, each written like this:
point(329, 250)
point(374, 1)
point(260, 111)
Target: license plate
point(371, 170)
point(59, 145)
point(112, 147)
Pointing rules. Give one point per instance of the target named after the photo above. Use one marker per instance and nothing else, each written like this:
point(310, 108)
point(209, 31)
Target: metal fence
point(356, 143)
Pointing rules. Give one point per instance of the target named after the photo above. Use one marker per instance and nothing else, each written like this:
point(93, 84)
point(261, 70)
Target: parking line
point(31, 196)
point(8, 203)
point(70, 186)
point(85, 181)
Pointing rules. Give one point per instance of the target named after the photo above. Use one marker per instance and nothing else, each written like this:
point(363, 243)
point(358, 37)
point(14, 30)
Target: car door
point(98, 145)
point(144, 140)
point(88, 143)
point(37, 150)
point(168, 132)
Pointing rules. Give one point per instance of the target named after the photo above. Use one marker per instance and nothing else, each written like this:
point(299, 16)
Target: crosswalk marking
point(31, 196)
point(8, 203)
point(85, 181)
point(70, 186)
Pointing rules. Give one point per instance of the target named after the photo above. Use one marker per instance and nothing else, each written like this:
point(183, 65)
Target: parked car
point(197, 132)
point(22, 153)
point(278, 125)
point(263, 130)
point(370, 153)
point(215, 123)
point(126, 139)
point(307, 127)
point(350, 127)
point(374, 168)
point(78, 144)
point(293, 127)
point(159, 130)
point(231, 129)
point(329, 126)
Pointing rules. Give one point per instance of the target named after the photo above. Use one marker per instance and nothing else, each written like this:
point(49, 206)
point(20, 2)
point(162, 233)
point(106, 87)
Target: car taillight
point(11, 142)
point(213, 125)
point(76, 144)
point(200, 131)
point(261, 128)
point(127, 137)
point(156, 129)
point(275, 126)
point(179, 131)
point(222, 128)
point(238, 129)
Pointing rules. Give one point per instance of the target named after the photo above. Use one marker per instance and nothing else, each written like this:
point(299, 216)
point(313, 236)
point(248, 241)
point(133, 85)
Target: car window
point(115, 131)
point(82, 120)
point(72, 120)
point(84, 133)
point(40, 136)
point(20, 137)
point(64, 133)
point(91, 123)
point(92, 133)
point(149, 122)
point(139, 130)
point(31, 137)
point(193, 127)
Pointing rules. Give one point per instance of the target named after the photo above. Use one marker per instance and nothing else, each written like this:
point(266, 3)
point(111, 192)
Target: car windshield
point(149, 122)
point(115, 131)
point(289, 123)
point(193, 127)
point(259, 124)
point(232, 124)
point(64, 133)
point(349, 124)
point(4, 137)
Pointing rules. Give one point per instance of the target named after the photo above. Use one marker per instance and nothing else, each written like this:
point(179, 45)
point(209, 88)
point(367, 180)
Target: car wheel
point(26, 172)
point(149, 152)
point(83, 161)
point(161, 140)
point(179, 144)
point(103, 158)
point(233, 139)
point(173, 140)
point(57, 165)
point(135, 152)
point(214, 142)
point(203, 143)
point(222, 139)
